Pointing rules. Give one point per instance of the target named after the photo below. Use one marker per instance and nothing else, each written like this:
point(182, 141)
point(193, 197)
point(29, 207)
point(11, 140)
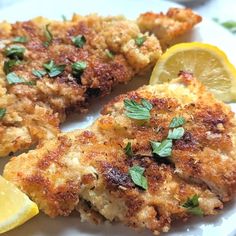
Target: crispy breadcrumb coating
point(35, 109)
point(168, 27)
point(88, 169)
point(34, 112)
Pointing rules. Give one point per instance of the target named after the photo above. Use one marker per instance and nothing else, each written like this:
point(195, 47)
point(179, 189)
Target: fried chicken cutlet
point(51, 68)
point(155, 155)
point(167, 27)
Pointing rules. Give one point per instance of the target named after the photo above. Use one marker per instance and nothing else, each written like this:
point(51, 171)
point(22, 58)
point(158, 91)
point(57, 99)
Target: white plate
point(207, 31)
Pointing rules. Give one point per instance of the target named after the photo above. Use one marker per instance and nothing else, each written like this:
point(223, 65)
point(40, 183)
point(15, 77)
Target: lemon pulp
point(206, 62)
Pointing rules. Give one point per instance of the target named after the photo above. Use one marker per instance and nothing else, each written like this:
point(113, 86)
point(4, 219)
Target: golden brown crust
point(35, 112)
point(168, 26)
point(202, 161)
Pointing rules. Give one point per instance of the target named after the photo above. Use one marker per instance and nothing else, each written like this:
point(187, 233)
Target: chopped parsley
point(31, 83)
point(19, 39)
point(176, 133)
point(78, 68)
point(48, 36)
point(136, 173)
point(128, 150)
point(139, 41)
point(39, 73)
point(15, 52)
point(138, 111)
point(109, 54)
point(162, 149)
point(9, 64)
point(13, 78)
point(79, 41)
point(63, 18)
point(177, 121)
point(52, 69)
point(192, 206)
point(230, 25)
point(2, 112)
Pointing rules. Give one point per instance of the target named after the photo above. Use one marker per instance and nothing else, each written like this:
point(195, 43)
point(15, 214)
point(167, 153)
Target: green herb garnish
point(230, 25)
point(39, 73)
point(19, 39)
point(53, 69)
point(2, 112)
point(15, 52)
point(177, 121)
point(162, 149)
point(109, 54)
point(136, 173)
point(30, 83)
point(78, 68)
point(13, 78)
point(63, 18)
point(192, 205)
point(9, 64)
point(138, 111)
point(176, 133)
point(139, 41)
point(128, 150)
point(79, 41)
point(48, 36)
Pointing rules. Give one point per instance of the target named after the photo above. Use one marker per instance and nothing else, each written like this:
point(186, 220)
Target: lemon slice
point(207, 63)
point(15, 206)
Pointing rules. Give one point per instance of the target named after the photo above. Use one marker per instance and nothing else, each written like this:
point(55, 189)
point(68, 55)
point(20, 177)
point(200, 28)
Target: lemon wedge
point(15, 207)
point(206, 62)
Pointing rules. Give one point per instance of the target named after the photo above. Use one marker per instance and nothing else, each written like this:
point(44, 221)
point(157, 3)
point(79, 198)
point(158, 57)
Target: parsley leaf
point(63, 18)
point(139, 41)
point(15, 52)
point(9, 64)
point(53, 69)
point(109, 54)
point(128, 150)
point(136, 173)
point(177, 121)
point(162, 149)
point(31, 83)
point(19, 39)
point(138, 111)
point(13, 78)
point(2, 112)
point(48, 36)
point(195, 211)
point(79, 41)
point(192, 205)
point(39, 73)
point(230, 25)
point(176, 133)
point(78, 68)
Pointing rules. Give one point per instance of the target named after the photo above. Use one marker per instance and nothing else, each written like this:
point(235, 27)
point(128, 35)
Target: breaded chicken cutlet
point(155, 155)
point(51, 68)
point(167, 27)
